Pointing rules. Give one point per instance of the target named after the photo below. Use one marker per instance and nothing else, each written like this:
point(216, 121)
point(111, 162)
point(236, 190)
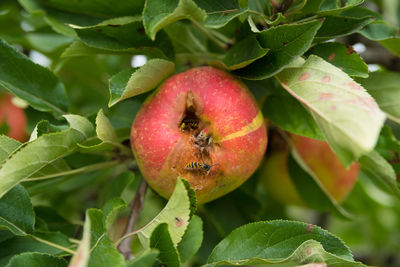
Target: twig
point(136, 207)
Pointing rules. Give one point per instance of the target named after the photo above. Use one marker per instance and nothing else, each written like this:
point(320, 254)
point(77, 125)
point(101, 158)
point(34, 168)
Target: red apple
point(14, 117)
point(319, 157)
point(202, 125)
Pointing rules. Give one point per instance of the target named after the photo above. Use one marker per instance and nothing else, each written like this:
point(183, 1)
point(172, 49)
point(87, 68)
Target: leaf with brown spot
point(353, 127)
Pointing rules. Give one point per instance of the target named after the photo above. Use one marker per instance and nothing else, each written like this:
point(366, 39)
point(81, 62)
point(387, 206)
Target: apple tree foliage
point(65, 193)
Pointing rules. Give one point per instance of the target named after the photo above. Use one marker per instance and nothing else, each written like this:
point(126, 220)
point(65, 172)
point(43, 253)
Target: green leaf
point(379, 30)
point(124, 35)
point(286, 43)
point(347, 115)
point(4, 127)
point(36, 260)
point(192, 239)
point(82, 254)
point(336, 26)
point(103, 252)
point(45, 127)
point(162, 240)
point(16, 212)
point(104, 129)
point(310, 188)
point(79, 48)
point(378, 168)
point(101, 8)
point(42, 242)
point(119, 184)
point(176, 214)
point(111, 210)
point(159, 13)
point(7, 147)
point(243, 53)
point(342, 57)
point(288, 113)
point(186, 38)
point(31, 82)
point(43, 151)
point(325, 7)
point(147, 258)
point(392, 44)
point(385, 89)
point(133, 82)
point(219, 13)
point(281, 242)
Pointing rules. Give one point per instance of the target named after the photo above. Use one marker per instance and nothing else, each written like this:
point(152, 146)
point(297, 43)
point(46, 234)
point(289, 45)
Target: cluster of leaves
point(70, 170)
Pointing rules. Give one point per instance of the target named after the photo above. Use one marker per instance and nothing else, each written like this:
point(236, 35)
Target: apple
point(13, 117)
point(202, 125)
point(320, 159)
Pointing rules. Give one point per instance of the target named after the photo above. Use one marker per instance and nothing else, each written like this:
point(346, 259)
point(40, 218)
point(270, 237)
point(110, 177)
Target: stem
point(75, 241)
point(209, 35)
point(53, 244)
point(93, 167)
point(127, 235)
point(136, 206)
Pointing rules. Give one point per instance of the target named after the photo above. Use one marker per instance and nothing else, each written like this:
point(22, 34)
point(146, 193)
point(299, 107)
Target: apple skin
point(319, 157)
point(14, 116)
point(227, 112)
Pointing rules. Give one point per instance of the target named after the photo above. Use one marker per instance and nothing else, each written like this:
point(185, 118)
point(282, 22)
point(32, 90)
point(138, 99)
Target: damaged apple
point(202, 125)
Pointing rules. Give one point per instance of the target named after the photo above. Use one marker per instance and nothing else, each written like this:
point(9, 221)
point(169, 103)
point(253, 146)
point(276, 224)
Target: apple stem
point(213, 35)
point(136, 206)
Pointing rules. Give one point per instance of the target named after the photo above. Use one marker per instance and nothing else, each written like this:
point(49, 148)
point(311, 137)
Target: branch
point(136, 207)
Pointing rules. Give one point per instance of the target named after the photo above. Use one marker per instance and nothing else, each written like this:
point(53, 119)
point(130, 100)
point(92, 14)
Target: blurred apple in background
point(319, 158)
point(12, 118)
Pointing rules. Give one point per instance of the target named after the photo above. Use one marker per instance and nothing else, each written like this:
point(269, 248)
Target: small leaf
point(192, 239)
point(104, 129)
point(45, 127)
point(342, 57)
point(286, 43)
point(133, 82)
point(378, 168)
point(111, 210)
point(219, 13)
point(103, 253)
point(31, 82)
point(385, 89)
point(159, 13)
point(347, 115)
point(82, 254)
point(288, 113)
point(280, 242)
point(43, 151)
point(328, 7)
point(161, 240)
point(16, 211)
point(35, 259)
point(147, 258)
point(310, 188)
point(336, 26)
point(243, 53)
point(124, 35)
point(175, 214)
point(4, 127)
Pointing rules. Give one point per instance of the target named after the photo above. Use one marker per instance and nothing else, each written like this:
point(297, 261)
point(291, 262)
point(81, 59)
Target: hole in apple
point(190, 121)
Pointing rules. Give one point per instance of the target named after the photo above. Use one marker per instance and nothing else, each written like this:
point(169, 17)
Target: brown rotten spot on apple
point(204, 117)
